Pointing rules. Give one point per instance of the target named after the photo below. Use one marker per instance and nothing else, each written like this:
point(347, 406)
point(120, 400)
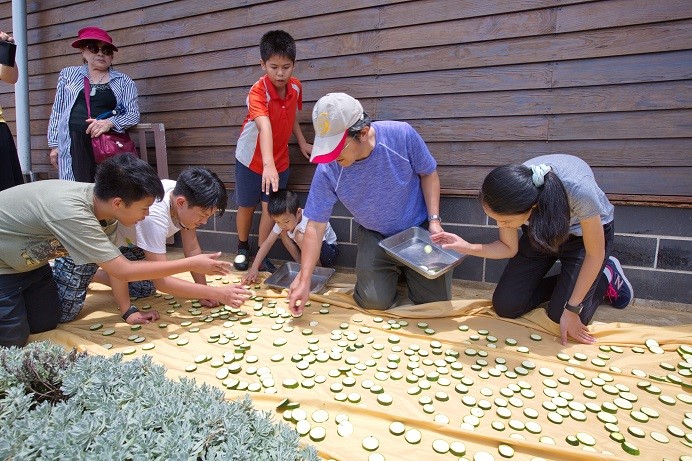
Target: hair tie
point(539, 172)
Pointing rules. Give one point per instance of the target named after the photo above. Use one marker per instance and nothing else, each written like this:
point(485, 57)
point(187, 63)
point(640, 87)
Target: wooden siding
point(484, 82)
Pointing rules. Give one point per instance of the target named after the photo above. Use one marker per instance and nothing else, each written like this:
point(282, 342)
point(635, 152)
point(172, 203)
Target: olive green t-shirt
point(43, 220)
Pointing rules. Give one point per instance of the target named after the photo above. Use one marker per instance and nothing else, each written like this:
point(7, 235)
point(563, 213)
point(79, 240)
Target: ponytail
point(549, 221)
point(512, 190)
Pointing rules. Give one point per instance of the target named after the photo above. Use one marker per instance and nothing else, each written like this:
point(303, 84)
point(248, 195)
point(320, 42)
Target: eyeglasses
point(107, 50)
point(349, 142)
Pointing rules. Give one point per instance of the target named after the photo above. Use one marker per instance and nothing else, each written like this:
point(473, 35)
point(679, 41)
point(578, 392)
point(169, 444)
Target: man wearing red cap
point(384, 174)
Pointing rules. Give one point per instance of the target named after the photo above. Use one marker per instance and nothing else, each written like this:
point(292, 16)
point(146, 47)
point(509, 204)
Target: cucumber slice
point(370, 443)
point(397, 428)
point(413, 436)
point(440, 446)
point(505, 450)
point(344, 428)
point(457, 448)
point(630, 448)
point(636, 431)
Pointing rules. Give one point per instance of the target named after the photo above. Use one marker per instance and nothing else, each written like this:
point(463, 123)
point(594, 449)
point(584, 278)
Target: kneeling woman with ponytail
point(563, 215)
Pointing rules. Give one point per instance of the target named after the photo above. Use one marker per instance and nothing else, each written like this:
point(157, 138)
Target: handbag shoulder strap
point(87, 93)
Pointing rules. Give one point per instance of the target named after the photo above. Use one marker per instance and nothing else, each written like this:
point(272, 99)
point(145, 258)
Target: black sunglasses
point(107, 50)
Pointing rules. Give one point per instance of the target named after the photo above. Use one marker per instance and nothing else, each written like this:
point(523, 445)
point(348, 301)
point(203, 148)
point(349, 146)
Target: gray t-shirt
point(43, 220)
point(585, 198)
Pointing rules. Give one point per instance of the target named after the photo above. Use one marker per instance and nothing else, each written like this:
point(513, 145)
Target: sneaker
point(245, 263)
point(267, 266)
point(619, 292)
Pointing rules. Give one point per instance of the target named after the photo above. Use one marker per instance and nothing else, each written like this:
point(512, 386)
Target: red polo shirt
point(263, 99)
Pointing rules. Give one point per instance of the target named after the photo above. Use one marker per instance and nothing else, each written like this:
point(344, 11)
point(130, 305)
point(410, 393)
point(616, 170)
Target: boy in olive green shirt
point(47, 219)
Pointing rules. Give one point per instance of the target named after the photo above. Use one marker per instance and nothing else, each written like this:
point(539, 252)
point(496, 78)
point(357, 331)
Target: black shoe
point(244, 262)
point(267, 266)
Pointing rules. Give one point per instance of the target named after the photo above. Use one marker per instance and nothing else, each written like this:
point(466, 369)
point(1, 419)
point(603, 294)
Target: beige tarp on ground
point(527, 379)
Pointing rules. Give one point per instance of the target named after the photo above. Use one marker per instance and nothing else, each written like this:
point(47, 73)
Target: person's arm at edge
point(9, 74)
point(309, 255)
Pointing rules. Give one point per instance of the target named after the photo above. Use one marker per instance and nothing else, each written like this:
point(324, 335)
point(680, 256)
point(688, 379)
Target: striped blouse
point(70, 83)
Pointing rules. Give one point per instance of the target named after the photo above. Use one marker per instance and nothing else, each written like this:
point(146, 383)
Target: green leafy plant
point(129, 410)
point(37, 369)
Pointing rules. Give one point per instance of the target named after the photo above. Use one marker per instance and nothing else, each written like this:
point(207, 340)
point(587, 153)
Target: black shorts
point(248, 185)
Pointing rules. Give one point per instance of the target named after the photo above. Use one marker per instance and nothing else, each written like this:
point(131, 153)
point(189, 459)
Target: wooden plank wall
point(485, 82)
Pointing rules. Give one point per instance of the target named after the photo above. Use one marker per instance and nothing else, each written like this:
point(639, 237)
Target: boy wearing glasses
point(262, 160)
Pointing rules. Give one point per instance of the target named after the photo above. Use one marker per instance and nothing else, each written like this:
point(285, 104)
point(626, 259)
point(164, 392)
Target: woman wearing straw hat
point(113, 102)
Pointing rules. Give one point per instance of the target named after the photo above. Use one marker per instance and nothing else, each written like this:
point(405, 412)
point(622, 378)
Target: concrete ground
point(643, 311)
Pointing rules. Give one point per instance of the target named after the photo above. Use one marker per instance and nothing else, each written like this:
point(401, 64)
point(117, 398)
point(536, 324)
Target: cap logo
point(323, 121)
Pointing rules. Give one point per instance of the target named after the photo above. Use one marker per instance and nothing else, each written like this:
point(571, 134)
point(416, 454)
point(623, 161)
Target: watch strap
point(130, 311)
point(434, 217)
point(576, 309)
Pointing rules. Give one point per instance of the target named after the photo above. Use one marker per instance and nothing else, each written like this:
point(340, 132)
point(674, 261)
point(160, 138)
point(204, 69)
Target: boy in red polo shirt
point(262, 152)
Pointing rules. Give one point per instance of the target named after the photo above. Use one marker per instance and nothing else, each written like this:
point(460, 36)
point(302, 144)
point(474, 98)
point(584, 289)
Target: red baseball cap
point(93, 33)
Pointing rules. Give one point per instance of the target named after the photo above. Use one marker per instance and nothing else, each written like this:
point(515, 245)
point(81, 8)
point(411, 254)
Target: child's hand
point(306, 150)
point(270, 179)
point(142, 317)
point(250, 276)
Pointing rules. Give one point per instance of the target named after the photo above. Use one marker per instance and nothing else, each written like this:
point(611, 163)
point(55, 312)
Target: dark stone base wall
point(654, 244)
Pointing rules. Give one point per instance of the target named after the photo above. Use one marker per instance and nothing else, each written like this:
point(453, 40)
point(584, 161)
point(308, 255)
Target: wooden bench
point(139, 134)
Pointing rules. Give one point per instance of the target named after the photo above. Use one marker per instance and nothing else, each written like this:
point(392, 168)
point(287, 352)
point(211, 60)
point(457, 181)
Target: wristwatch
point(576, 309)
point(130, 311)
point(435, 217)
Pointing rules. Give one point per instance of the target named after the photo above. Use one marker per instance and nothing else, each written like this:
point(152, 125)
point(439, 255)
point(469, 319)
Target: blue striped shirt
point(70, 83)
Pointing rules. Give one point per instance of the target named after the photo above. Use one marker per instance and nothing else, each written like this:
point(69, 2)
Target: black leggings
point(523, 285)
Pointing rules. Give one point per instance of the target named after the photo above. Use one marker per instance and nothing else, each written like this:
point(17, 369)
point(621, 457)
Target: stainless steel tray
point(284, 276)
point(408, 247)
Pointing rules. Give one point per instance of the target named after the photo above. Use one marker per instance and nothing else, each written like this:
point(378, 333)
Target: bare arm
point(263, 250)
point(430, 184)
point(505, 247)
point(300, 288)
point(233, 295)
point(128, 271)
point(191, 247)
point(594, 244)
point(305, 148)
point(270, 177)
point(291, 245)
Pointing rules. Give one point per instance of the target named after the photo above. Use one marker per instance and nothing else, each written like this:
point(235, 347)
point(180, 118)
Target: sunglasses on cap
point(107, 50)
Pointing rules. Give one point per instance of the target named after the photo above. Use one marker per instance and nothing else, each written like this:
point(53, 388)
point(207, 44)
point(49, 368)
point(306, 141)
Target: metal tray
point(284, 276)
point(408, 247)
